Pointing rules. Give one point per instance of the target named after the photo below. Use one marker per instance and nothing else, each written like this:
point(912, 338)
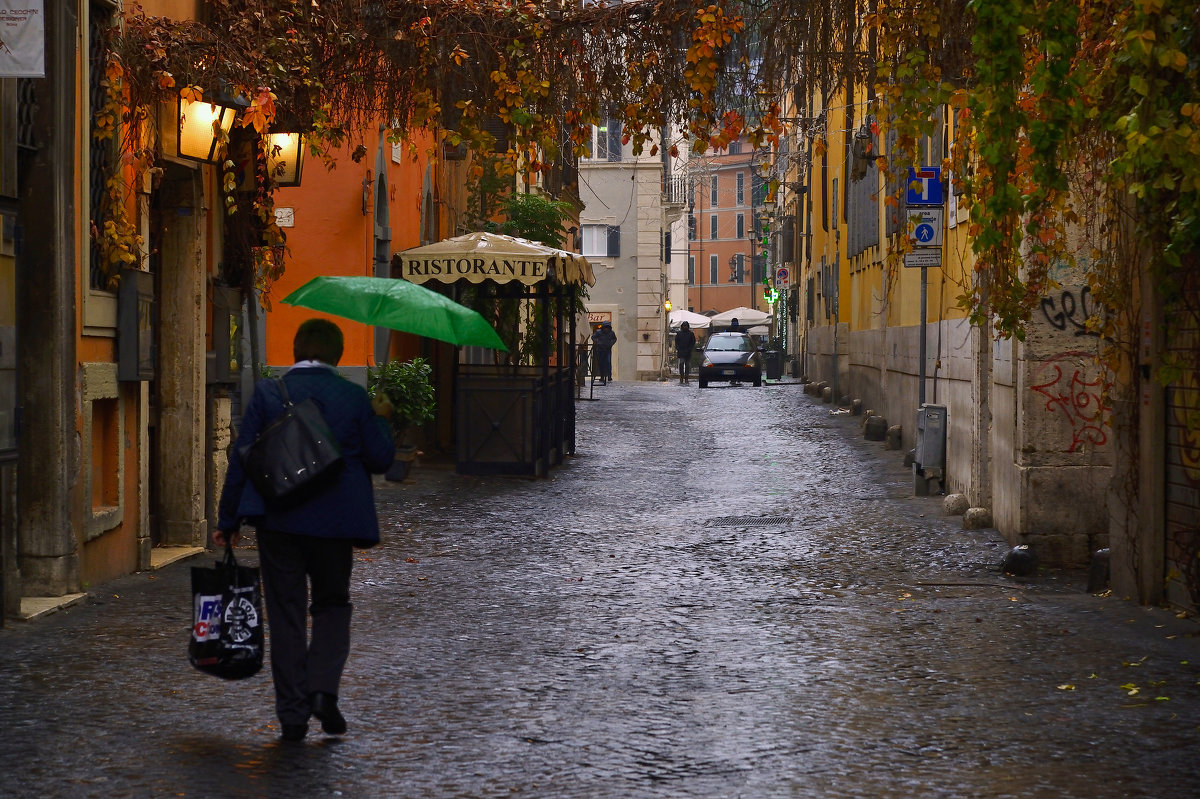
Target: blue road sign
point(924, 233)
point(924, 186)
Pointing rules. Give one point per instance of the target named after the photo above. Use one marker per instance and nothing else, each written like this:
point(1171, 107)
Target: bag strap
point(283, 392)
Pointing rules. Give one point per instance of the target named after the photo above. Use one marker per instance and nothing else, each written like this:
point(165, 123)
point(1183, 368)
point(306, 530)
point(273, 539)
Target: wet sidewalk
point(727, 593)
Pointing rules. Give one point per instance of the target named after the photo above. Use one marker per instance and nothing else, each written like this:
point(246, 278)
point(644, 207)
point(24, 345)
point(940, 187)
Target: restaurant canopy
point(695, 321)
point(476, 257)
point(746, 317)
point(516, 417)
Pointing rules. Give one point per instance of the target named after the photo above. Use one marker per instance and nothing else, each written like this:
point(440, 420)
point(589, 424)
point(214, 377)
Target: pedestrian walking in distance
point(310, 541)
point(603, 342)
point(685, 343)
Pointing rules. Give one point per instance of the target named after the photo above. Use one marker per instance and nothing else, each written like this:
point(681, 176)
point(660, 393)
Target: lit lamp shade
point(198, 125)
point(285, 157)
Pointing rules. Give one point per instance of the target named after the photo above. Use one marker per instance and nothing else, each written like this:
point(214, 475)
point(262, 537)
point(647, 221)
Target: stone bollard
point(827, 394)
point(856, 408)
point(875, 428)
point(1098, 572)
point(844, 401)
point(955, 504)
point(894, 437)
point(977, 519)
point(910, 458)
point(1021, 561)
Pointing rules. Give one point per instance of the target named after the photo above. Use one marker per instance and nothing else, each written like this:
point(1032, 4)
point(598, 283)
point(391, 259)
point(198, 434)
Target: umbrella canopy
point(695, 321)
point(399, 305)
point(477, 257)
point(746, 317)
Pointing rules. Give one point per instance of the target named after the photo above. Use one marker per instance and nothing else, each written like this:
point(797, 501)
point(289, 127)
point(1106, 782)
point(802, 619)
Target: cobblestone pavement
point(727, 593)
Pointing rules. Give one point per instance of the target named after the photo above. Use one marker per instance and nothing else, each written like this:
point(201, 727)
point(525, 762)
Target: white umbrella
point(747, 317)
point(695, 321)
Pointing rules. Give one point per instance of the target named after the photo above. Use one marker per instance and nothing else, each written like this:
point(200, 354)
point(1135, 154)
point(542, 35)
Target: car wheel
point(703, 384)
point(757, 382)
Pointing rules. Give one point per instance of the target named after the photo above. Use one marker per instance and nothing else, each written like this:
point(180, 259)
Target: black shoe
point(324, 707)
point(294, 732)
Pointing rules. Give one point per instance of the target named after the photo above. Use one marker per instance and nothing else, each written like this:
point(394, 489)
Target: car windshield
point(730, 343)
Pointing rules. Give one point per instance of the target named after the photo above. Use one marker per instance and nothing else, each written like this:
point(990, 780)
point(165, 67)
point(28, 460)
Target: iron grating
point(749, 521)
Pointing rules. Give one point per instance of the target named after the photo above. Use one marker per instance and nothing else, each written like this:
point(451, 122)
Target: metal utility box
point(931, 438)
point(135, 326)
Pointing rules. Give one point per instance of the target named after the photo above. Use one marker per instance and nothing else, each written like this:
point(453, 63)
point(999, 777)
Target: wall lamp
point(201, 127)
point(285, 157)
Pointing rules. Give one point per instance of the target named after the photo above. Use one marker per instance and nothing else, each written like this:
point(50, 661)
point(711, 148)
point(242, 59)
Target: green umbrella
point(399, 305)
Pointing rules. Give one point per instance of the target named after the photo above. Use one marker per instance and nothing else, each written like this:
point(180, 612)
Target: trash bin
point(773, 361)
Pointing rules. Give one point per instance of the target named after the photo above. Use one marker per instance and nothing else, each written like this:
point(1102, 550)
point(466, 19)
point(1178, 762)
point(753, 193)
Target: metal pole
point(921, 353)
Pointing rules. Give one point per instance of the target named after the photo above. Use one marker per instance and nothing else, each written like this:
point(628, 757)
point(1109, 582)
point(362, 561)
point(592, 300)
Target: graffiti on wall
point(1070, 310)
point(1065, 384)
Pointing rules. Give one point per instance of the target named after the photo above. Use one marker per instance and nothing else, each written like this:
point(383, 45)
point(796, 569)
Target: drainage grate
point(749, 521)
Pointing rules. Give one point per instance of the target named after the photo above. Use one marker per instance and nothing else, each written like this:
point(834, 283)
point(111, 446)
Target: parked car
point(731, 357)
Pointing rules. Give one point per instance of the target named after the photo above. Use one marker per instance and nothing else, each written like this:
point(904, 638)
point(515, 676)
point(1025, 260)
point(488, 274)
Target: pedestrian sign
point(924, 186)
point(925, 226)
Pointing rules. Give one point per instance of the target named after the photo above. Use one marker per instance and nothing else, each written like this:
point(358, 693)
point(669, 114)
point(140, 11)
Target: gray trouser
point(301, 667)
point(685, 365)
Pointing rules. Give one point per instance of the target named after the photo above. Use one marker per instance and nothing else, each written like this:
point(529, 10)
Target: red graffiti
point(1080, 400)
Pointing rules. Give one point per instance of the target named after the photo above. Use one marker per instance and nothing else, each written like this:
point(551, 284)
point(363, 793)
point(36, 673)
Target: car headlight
point(707, 363)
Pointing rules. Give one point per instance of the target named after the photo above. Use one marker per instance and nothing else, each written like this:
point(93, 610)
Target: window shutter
point(614, 241)
point(667, 247)
point(614, 140)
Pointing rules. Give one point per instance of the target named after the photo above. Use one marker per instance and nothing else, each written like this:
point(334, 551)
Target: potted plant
point(408, 386)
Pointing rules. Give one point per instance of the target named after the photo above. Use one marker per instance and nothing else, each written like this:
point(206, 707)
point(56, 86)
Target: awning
point(695, 321)
point(477, 257)
point(747, 317)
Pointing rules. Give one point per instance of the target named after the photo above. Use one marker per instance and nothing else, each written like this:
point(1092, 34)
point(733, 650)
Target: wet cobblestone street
point(727, 593)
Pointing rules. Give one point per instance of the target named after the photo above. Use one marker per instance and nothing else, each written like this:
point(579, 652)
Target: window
point(602, 240)
point(735, 147)
point(712, 227)
point(691, 270)
point(741, 224)
point(606, 141)
point(712, 193)
point(741, 188)
point(835, 208)
point(691, 227)
point(713, 277)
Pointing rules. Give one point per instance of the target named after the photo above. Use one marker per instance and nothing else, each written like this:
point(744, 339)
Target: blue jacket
point(346, 509)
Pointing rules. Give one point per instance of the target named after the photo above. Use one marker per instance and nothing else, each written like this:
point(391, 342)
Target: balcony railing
point(676, 190)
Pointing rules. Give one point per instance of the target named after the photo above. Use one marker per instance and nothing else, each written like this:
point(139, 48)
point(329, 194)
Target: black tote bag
point(295, 455)
point(227, 619)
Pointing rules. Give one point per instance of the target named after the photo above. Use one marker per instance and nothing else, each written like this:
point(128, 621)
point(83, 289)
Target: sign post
point(924, 197)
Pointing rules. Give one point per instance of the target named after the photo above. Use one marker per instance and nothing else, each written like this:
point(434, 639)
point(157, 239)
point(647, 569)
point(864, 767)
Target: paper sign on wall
point(22, 39)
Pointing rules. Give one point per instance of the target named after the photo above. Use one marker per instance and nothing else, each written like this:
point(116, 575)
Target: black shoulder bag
point(295, 455)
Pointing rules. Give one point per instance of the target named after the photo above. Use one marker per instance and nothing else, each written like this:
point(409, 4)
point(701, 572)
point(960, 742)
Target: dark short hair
point(318, 340)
